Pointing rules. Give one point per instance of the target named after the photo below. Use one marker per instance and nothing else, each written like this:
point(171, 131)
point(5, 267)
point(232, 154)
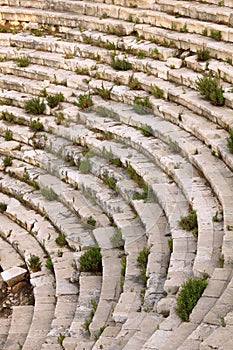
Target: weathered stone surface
point(13, 275)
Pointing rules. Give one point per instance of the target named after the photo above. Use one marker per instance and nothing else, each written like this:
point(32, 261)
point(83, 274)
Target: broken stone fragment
point(13, 275)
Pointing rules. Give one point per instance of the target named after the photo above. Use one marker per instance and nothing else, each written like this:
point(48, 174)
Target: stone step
point(219, 50)
point(4, 330)
point(216, 286)
point(7, 250)
point(89, 290)
point(110, 289)
point(69, 20)
point(20, 324)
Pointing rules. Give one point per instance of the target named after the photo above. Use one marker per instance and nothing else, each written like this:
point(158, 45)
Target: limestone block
point(174, 62)
point(13, 275)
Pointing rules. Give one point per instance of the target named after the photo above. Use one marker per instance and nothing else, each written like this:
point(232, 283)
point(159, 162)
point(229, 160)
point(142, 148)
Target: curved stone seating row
point(222, 117)
point(7, 250)
point(132, 258)
point(41, 281)
point(65, 291)
point(194, 190)
point(194, 20)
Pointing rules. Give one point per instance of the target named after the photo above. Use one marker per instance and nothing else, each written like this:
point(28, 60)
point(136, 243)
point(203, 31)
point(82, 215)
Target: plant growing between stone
point(203, 55)
point(209, 86)
point(49, 264)
point(7, 161)
point(3, 207)
point(142, 260)
point(84, 165)
point(91, 315)
point(36, 126)
point(34, 263)
point(48, 193)
point(54, 100)
point(190, 293)
point(189, 222)
point(22, 61)
point(35, 105)
point(91, 260)
point(91, 221)
point(134, 83)
point(84, 101)
point(8, 135)
point(61, 240)
point(104, 92)
point(117, 240)
point(120, 64)
point(142, 106)
point(8, 116)
point(156, 91)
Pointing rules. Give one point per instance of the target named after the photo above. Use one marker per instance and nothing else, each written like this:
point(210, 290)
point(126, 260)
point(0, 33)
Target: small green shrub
point(105, 93)
point(203, 55)
point(81, 71)
point(35, 106)
point(142, 195)
point(170, 243)
point(91, 315)
point(91, 221)
point(142, 260)
point(204, 32)
point(156, 91)
point(59, 118)
point(134, 83)
point(6, 101)
point(91, 260)
point(3, 207)
point(147, 130)
point(230, 141)
point(8, 116)
point(37, 32)
point(84, 166)
point(120, 64)
point(134, 175)
point(22, 62)
point(141, 54)
point(7, 161)
point(8, 135)
point(117, 240)
point(84, 101)
point(115, 161)
point(142, 106)
point(189, 222)
point(36, 126)
point(61, 240)
point(49, 264)
point(216, 217)
point(106, 112)
point(190, 293)
point(48, 193)
point(34, 263)
point(209, 87)
point(110, 182)
point(54, 100)
point(216, 34)
point(60, 338)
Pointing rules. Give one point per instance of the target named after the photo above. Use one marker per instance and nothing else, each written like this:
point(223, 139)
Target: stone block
point(13, 275)
point(173, 62)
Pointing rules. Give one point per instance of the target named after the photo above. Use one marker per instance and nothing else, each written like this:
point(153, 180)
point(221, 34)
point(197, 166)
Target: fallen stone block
point(13, 275)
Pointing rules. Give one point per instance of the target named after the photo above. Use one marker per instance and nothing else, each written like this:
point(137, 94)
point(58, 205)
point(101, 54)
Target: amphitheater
point(108, 142)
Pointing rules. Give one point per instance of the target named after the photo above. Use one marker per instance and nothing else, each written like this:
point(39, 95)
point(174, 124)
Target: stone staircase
point(116, 168)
